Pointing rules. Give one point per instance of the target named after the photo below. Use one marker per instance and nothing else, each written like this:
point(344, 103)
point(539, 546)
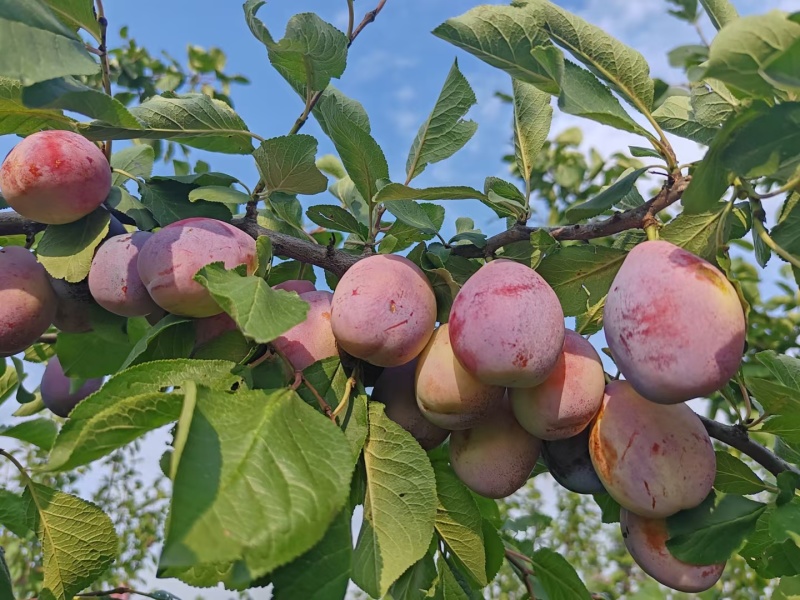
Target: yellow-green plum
point(564, 403)
point(55, 387)
point(570, 464)
point(312, 340)
point(170, 258)
point(114, 280)
point(395, 389)
point(653, 459)
point(674, 323)
point(496, 457)
point(646, 541)
point(55, 177)
point(507, 326)
point(74, 306)
point(384, 310)
point(447, 394)
point(27, 301)
point(301, 286)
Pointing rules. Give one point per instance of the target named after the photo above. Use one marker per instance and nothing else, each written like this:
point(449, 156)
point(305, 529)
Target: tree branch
point(736, 436)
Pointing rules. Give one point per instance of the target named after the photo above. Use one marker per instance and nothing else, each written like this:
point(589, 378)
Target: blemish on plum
point(656, 447)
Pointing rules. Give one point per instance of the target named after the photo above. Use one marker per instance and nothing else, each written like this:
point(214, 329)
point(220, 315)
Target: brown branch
point(736, 436)
point(368, 18)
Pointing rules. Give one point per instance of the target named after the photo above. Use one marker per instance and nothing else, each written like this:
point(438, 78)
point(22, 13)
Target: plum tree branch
point(736, 436)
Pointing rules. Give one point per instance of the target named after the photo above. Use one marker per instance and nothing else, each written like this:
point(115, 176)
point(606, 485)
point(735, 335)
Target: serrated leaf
point(459, 522)
point(583, 95)
point(66, 251)
point(784, 523)
point(329, 560)
point(13, 513)
point(697, 233)
point(712, 532)
point(577, 273)
point(397, 191)
point(78, 540)
point(721, 12)
point(783, 69)
point(415, 583)
point(171, 337)
point(336, 218)
point(36, 46)
point(259, 450)
point(676, 115)
point(532, 117)
point(448, 586)
point(129, 405)
point(168, 202)
point(735, 477)
point(557, 577)
point(712, 103)
point(511, 39)
point(445, 131)
point(136, 160)
point(39, 432)
point(605, 199)
point(194, 119)
point(787, 232)
point(286, 164)
point(261, 313)
point(17, 118)
point(741, 48)
point(121, 200)
point(412, 214)
point(67, 93)
point(218, 193)
point(8, 381)
point(400, 506)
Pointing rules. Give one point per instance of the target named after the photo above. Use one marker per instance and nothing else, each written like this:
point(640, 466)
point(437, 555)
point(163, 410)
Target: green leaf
point(136, 160)
point(333, 101)
point(397, 191)
point(445, 131)
point(504, 198)
point(784, 69)
point(511, 39)
point(532, 117)
point(311, 51)
point(261, 313)
point(360, 153)
point(713, 531)
point(218, 193)
point(67, 93)
point(17, 118)
point(776, 398)
point(171, 337)
point(413, 215)
point(120, 199)
point(580, 273)
point(76, 14)
point(743, 47)
point(605, 199)
point(415, 582)
point(448, 586)
point(193, 119)
point(286, 164)
point(735, 477)
point(787, 232)
point(400, 505)
point(258, 450)
point(39, 432)
point(583, 95)
point(8, 381)
point(96, 353)
point(66, 251)
point(168, 202)
point(784, 524)
point(625, 69)
point(557, 576)
point(129, 405)
point(697, 233)
point(329, 561)
point(712, 102)
point(36, 46)
point(721, 12)
point(78, 540)
point(13, 511)
point(335, 217)
point(459, 522)
point(676, 115)
point(5, 578)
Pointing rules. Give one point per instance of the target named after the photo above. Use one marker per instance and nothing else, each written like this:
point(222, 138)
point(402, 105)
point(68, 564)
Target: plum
point(73, 308)
point(674, 324)
point(55, 177)
point(653, 459)
point(27, 301)
point(395, 388)
point(114, 277)
point(312, 340)
point(169, 260)
point(507, 326)
point(383, 310)
point(564, 403)
point(496, 457)
point(570, 464)
point(301, 286)
point(646, 541)
point(208, 328)
point(447, 394)
point(55, 389)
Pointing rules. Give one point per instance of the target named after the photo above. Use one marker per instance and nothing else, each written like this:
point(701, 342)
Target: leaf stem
point(22, 471)
point(351, 18)
point(126, 174)
point(523, 571)
point(348, 389)
point(326, 408)
point(789, 186)
point(748, 407)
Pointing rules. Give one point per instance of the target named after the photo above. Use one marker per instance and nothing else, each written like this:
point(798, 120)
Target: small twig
point(761, 231)
point(104, 64)
point(521, 563)
point(789, 186)
point(351, 17)
point(48, 338)
point(368, 18)
point(298, 379)
point(748, 407)
point(326, 408)
point(119, 590)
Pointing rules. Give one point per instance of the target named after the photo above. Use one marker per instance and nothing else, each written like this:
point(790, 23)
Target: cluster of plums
point(503, 379)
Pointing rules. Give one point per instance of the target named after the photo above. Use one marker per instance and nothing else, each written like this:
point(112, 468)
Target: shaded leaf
point(66, 251)
point(17, 118)
point(286, 164)
point(735, 477)
point(557, 576)
point(605, 199)
point(39, 432)
point(397, 191)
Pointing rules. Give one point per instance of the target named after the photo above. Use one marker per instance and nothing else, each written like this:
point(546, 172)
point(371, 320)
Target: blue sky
point(396, 69)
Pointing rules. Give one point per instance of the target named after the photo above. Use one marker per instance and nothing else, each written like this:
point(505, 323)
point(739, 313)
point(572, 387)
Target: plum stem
point(326, 408)
point(348, 389)
point(652, 231)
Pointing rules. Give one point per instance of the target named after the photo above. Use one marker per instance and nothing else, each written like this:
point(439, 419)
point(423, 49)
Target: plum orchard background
point(566, 166)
